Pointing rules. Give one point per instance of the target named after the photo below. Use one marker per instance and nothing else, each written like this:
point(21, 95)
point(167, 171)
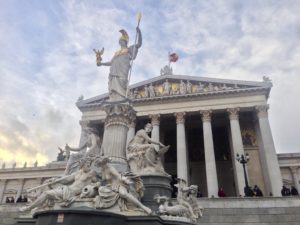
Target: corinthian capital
point(206, 115)
point(233, 113)
point(180, 117)
point(294, 169)
point(84, 123)
point(262, 111)
point(155, 119)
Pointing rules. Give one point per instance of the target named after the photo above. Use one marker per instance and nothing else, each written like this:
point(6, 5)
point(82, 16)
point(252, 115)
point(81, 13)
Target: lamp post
point(243, 159)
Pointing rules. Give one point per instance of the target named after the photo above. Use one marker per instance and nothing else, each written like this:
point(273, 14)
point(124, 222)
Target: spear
point(139, 17)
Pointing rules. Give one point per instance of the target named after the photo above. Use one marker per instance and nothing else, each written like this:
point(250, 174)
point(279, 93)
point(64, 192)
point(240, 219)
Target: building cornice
point(229, 87)
point(176, 98)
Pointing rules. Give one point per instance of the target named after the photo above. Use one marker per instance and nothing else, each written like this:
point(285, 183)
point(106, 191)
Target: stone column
point(237, 148)
point(118, 117)
point(2, 189)
point(294, 170)
point(20, 189)
point(182, 170)
point(131, 132)
point(209, 152)
point(155, 121)
point(274, 175)
point(83, 135)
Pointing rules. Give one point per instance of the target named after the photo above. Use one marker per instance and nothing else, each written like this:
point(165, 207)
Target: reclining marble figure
point(117, 188)
point(70, 189)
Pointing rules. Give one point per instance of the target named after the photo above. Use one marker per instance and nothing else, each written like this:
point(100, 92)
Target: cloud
point(47, 60)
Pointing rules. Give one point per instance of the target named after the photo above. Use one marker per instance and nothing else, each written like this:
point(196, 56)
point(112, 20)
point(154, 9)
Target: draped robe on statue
point(118, 75)
point(120, 66)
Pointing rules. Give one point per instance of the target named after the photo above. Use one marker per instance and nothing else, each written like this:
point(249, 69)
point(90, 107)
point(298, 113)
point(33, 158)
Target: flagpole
point(134, 49)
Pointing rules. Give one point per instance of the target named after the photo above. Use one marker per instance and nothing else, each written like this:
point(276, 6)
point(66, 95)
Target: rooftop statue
point(143, 157)
point(60, 156)
point(189, 87)
point(266, 79)
point(182, 88)
point(120, 65)
point(167, 88)
point(151, 91)
point(166, 70)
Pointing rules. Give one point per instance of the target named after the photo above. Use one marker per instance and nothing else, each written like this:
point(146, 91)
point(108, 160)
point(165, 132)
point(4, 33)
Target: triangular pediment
point(171, 86)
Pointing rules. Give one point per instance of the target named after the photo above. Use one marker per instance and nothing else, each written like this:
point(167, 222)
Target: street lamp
point(243, 159)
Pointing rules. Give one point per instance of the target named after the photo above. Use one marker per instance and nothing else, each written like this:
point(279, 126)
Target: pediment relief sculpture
point(178, 87)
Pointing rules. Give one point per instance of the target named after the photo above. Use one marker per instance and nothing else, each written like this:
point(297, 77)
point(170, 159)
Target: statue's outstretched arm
point(67, 179)
point(62, 180)
point(133, 49)
point(76, 149)
point(150, 140)
point(104, 64)
point(115, 173)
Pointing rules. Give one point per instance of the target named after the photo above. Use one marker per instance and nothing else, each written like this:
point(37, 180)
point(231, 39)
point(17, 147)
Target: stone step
point(235, 211)
point(258, 216)
point(251, 218)
point(255, 211)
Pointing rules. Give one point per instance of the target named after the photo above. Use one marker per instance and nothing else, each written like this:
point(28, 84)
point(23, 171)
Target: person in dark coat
point(285, 191)
point(294, 191)
point(10, 199)
point(257, 191)
point(221, 193)
point(22, 198)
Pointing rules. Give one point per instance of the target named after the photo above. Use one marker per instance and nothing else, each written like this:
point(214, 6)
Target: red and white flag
point(173, 57)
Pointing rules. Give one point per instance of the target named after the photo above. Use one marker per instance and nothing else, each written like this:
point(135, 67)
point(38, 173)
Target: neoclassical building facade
point(206, 122)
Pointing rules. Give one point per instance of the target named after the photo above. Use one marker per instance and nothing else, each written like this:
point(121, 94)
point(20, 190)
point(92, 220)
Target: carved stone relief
point(169, 87)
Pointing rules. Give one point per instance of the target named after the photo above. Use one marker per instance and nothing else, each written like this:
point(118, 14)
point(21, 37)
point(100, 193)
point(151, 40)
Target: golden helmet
point(124, 35)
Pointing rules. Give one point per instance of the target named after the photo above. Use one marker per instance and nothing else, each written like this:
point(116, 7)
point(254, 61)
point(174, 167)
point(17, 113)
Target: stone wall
point(8, 213)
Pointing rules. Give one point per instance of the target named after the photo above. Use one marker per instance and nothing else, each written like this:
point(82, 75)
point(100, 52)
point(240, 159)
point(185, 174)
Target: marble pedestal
point(155, 184)
point(80, 216)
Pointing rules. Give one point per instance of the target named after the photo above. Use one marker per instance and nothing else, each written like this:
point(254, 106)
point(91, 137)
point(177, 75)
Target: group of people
point(256, 192)
point(20, 199)
point(10, 200)
point(289, 192)
point(249, 192)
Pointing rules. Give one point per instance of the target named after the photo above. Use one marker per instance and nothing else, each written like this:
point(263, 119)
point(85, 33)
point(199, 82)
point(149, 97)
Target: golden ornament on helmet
point(124, 35)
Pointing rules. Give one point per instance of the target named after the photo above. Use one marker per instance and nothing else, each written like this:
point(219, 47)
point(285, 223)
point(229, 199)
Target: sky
point(47, 60)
